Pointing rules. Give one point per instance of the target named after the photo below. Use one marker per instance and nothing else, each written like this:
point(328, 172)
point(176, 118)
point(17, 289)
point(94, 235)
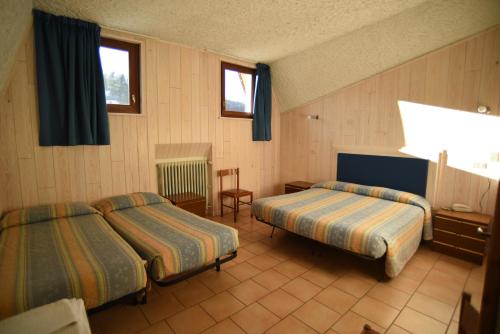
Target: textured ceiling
point(313, 46)
point(256, 30)
point(15, 16)
point(352, 57)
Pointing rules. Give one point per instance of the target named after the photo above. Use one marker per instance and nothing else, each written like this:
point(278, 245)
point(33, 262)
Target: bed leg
point(217, 264)
point(142, 297)
point(272, 232)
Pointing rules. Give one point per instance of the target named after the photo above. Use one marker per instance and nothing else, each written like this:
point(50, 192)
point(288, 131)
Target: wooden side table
point(293, 187)
point(190, 202)
point(456, 234)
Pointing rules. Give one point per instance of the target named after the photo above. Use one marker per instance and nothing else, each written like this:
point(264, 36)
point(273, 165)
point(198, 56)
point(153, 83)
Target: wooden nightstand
point(293, 187)
point(455, 234)
point(190, 202)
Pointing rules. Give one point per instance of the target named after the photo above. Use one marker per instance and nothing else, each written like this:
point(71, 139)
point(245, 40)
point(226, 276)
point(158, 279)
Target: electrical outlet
point(480, 165)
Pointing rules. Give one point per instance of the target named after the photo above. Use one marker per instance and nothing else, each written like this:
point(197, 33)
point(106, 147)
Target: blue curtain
point(71, 96)
point(262, 105)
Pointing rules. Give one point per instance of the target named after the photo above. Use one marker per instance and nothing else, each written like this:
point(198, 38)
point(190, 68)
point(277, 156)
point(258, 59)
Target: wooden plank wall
point(181, 104)
point(364, 117)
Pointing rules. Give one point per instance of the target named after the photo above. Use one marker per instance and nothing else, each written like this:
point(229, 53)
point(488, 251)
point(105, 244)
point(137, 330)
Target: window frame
point(134, 63)
point(242, 69)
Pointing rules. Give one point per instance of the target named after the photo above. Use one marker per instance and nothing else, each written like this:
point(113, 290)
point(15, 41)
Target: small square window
point(237, 90)
point(120, 66)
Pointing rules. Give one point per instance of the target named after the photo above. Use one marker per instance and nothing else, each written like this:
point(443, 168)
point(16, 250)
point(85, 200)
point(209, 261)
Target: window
point(120, 66)
point(238, 84)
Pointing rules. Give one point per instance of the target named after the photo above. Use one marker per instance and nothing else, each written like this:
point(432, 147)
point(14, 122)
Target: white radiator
point(176, 177)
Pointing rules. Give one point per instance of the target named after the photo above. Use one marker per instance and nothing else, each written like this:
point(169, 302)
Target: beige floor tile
point(336, 299)
point(376, 311)
point(225, 327)
point(161, 307)
point(243, 271)
point(222, 306)
point(418, 323)
point(322, 277)
point(447, 279)
point(453, 266)
point(290, 269)
point(190, 321)
point(271, 279)
point(414, 272)
point(352, 323)
point(301, 288)
point(404, 284)
point(452, 328)
point(431, 307)
point(280, 303)
point(440, 292)
point(243, 255)
point(353, 285)
point(162, 290)
point(257, 247)
point(389, 295)
point(396, 330)
point(279, 254)
point(316, 315)
point(255, 236)
point(255, 319)
point(248, 292)
point(291, 325)
point(263, 261)
point(120, 319)
point(160, 327)
point(219, 281)
point(193, 293)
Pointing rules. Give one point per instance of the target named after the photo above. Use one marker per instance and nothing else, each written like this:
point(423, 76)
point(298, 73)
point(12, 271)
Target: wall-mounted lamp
point(316, 117)
point(483, 109)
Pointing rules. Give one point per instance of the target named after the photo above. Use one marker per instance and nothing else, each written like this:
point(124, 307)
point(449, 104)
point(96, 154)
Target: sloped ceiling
point(15, 17)
point(344, 60)
point(313, 46)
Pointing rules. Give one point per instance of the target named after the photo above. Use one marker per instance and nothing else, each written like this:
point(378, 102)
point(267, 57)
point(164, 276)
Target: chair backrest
point(469, 316)
point(231, 171)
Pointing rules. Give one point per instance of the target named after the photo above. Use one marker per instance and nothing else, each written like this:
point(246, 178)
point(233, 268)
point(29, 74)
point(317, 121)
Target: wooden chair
point(235, 194)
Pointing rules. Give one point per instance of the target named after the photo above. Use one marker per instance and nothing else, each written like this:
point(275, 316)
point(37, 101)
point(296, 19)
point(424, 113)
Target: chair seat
point(236, 192)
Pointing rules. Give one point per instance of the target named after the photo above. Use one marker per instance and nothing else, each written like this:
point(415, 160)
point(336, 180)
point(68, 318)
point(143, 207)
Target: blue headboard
point(406, 174)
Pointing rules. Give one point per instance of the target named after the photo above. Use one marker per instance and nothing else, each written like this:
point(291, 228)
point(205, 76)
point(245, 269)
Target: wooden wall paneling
point(459, 76)
point(106, 174)
point(62, 171)
point(180, 104)
point(77, 173)
point(9, 165)
point(153, 106)
point(143, 156)
point(131, 161)
point(29, 186)
point(195, 97)
point(186, 94)
point(20, 103)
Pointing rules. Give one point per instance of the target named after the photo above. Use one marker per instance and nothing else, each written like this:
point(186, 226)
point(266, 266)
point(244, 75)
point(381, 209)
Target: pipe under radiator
point(175, 177)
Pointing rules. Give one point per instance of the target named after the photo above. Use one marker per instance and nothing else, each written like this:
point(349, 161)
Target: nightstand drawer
point(293, 187)
point(457, 226)
point(197, 208)
point(457, 252)
point(472, 244)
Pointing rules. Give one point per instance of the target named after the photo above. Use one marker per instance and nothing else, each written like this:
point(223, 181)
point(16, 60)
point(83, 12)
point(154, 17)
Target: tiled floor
point(289, 284)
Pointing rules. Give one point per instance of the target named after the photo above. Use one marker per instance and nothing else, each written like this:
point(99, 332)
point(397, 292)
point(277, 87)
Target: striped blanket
point(60, 251)
point(371, 221)
point(172, 240)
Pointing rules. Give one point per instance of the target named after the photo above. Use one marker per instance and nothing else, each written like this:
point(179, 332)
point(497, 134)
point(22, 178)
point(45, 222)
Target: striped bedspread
point(64, 251)
point(171, 239)
point(371, 221)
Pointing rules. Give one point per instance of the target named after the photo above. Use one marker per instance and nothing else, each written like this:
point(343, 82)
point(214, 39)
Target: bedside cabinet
point(190, 202)
point(293, 187)
point(456, 234)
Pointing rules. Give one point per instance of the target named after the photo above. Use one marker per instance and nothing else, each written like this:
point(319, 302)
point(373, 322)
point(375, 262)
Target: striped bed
point(172, 240)
point(371, 221)
point(60, 251)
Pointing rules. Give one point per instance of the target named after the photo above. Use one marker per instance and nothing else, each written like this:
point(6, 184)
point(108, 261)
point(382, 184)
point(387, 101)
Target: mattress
point(172, 240)
point(370, 221)
point(60, 251)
